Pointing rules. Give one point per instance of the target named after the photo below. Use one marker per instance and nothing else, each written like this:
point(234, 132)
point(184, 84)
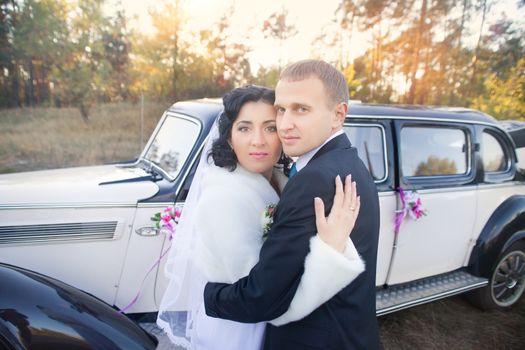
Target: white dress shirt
point(305, 158)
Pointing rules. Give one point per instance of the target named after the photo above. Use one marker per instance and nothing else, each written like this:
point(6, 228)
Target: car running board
point(405, 295)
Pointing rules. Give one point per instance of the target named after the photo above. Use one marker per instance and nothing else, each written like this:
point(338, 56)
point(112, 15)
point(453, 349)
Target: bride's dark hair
point(221, 151)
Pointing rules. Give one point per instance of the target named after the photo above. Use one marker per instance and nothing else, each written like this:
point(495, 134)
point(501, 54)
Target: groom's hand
point(335, 229)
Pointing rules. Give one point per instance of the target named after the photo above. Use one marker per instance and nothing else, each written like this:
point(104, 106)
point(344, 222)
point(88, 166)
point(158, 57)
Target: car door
point(498, 178)
point(174, 148)
point(435, 159)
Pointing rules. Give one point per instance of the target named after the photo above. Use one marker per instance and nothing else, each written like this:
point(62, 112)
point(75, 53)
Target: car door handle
point(147, 231)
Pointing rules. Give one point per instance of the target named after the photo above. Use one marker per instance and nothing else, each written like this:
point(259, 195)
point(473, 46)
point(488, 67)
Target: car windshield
point(172, 144)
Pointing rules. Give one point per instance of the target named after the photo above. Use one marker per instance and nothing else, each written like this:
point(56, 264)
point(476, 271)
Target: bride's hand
point(335, 229)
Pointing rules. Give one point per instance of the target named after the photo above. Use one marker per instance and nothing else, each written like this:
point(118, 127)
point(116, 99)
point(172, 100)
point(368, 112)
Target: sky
point(247, 18)
point(309, 21)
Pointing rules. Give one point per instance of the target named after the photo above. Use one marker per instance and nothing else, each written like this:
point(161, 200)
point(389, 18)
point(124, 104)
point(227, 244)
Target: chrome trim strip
point(390, 309)
point(57, 232)
point(67, 205)
point(484, 186)
point(154, 204)
point(448, 189)
point(383, 134)
point(386, 193)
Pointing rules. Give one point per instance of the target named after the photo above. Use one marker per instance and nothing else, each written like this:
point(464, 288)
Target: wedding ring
point(352, 208)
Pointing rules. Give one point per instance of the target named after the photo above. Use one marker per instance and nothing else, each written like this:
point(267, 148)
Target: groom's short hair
point(333, 80)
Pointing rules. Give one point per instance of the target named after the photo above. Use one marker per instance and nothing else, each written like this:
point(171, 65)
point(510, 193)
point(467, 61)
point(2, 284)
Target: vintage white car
point(91, 227)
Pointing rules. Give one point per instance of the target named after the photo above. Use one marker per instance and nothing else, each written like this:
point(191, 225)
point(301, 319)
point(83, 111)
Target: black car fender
point(39, 312)
point(504, 227)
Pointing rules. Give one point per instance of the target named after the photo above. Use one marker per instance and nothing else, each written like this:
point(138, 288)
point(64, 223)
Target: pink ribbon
point(169, 219)
point(134, 300)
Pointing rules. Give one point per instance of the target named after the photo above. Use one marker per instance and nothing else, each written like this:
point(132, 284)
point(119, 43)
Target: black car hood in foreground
point(38, 312)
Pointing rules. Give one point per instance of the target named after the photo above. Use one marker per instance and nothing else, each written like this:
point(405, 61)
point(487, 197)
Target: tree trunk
point(176, 53)
point(417, 48)
point(476, 51)
point(31, 85)
point(453, 92)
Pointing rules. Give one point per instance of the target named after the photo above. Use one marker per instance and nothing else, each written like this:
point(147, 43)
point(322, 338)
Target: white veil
point(183, 297)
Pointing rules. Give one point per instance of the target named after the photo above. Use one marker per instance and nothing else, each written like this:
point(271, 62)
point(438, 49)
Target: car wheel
point(507, 282)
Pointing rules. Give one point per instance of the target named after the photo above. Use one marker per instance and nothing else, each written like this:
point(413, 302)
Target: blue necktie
point(293, 171)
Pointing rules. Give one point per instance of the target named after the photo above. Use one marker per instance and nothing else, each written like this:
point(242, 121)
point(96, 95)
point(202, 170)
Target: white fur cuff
point(326, 272)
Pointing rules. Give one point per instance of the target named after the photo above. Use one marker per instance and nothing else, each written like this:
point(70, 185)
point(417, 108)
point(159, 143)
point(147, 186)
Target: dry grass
point(452, 324)
point(46, 138)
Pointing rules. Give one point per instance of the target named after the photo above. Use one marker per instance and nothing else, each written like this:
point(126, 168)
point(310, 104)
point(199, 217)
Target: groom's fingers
point(339, 193)
point(320, 219)
point(353, 203)
point(349, 193)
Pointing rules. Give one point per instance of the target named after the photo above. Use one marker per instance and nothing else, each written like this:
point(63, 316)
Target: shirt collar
point(305, 158)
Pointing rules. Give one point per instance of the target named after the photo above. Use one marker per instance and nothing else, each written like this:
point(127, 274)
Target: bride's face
point(254, 138)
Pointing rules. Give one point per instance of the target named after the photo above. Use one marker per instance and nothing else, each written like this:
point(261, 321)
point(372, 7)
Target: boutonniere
point(267, 219)
point(167, 220)
point(411, 206)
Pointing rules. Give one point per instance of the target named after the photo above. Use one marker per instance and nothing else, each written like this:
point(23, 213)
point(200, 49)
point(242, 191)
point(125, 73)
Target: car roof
point(457, 114)
point(209, 108)
point(205, 109)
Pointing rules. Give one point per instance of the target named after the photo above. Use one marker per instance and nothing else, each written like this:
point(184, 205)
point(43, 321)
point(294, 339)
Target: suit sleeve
point(267, 292)
point(326, 267)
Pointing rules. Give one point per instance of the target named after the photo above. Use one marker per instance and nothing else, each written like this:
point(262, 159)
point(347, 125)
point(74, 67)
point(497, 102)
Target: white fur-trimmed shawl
point(228, 222)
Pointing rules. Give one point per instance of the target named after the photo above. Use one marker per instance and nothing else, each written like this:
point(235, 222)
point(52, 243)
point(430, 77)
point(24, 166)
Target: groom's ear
point(339, 115)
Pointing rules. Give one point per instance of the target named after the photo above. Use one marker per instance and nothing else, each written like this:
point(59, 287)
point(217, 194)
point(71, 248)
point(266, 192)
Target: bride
point(228, 210)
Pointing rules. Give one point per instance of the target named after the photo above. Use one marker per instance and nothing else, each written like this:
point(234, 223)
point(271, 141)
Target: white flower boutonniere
point(267, 219)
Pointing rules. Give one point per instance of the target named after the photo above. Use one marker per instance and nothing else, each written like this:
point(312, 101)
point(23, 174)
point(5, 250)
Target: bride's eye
point(242, 128)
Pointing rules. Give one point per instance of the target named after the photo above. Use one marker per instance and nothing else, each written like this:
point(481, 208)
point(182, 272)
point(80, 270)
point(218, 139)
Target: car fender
point(505, 226)
point(37, 311)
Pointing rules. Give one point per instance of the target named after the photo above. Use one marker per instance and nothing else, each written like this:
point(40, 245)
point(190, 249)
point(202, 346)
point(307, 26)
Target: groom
point(311, 103)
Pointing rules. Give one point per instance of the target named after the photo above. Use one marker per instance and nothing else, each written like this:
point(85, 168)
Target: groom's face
point(306, 116)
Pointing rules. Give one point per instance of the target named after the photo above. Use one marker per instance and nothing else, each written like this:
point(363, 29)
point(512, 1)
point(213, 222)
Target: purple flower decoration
point(168, 220)
point(411, 205)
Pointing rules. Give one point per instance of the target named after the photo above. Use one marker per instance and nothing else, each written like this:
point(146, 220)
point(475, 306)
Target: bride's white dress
point(229, 225)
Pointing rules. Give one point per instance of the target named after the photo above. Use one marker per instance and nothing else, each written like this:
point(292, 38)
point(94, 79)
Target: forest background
point(72, 74)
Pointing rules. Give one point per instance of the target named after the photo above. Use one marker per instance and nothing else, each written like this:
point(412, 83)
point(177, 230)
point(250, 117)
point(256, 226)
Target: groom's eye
point(302, 109)
point(280, 110)
point(272, 128)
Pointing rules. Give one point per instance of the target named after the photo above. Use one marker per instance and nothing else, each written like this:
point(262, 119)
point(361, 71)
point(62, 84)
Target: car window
point(369, 141)
point(494, 159)
point(433, 151)
point(173, 143)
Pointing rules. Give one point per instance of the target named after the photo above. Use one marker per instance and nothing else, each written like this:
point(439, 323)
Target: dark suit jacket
point(346, 321)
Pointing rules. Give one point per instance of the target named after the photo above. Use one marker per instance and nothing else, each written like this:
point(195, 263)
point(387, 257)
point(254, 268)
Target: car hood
point(76, 185)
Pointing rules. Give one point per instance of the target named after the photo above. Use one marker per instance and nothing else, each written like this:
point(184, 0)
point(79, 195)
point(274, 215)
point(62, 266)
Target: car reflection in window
point(172, 144)
point(494, 159)
point(433, 151)
point(370, 147)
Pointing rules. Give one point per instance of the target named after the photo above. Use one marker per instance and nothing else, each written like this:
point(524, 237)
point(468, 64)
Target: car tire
point(506, 283)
